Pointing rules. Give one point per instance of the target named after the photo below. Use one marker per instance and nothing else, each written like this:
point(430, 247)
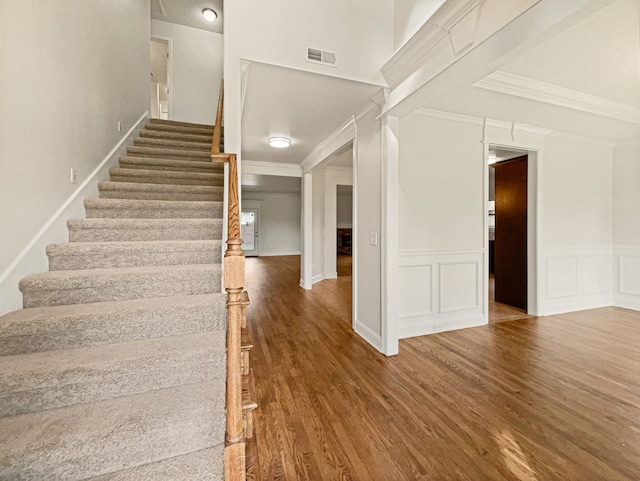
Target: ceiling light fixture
point(209, 15)
point(279, 142)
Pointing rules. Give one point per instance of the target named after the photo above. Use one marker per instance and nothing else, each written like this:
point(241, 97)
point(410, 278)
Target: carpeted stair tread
point(70, 326)
point(106, 230)
point(152, 209)
point(172, 144)
point(54, 379)
point(55, 288)
point(92, 439)
point(179, 129)
point(162, 153)
point(182, 124)
point(161, 134)
point(133, 190)
point(203, 465)
point(94, 255)
point(166, 177)
point(153, 163)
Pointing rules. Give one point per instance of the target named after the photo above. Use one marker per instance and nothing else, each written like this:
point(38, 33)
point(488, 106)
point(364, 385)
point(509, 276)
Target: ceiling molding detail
point(449, 117)
point(516, 85)
point(334, 142)
point(514, 135)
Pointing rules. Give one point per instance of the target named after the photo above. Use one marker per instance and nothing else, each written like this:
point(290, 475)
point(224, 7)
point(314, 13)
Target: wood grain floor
point(554, 398)
point(336, 294)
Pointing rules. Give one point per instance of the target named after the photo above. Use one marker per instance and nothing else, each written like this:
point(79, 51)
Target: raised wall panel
point(629, 275)
point(562, 277)
point(458, 286)
point(596, 274)
point(416, 296)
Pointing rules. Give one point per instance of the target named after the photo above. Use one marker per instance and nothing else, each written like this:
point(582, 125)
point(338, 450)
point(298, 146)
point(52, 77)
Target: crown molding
point(270, 168)
point(439, 116)
point(516, 85)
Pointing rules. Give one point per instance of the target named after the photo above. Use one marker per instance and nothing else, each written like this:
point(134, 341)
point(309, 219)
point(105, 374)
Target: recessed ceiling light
point(279, 142)
point(209, 15)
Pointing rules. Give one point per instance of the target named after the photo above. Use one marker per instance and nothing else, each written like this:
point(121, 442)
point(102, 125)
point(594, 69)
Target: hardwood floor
point(554, 398)
point(336, 294)
point(499, 312)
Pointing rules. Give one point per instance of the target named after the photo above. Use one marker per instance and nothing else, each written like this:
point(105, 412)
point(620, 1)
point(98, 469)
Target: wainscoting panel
point(576, 279)
point(440, 291)
point(627, 276)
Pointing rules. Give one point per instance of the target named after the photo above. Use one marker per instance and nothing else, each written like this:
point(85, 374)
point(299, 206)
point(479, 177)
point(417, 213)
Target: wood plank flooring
point(553, 398)
point(336, 294)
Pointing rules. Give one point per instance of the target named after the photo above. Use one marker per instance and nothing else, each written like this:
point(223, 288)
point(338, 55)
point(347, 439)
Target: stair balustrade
point(239, 423)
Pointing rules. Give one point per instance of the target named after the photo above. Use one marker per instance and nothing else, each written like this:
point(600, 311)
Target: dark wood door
point(510, 255)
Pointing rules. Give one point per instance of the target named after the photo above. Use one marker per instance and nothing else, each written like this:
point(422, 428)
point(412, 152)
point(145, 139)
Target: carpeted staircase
point(115, 368)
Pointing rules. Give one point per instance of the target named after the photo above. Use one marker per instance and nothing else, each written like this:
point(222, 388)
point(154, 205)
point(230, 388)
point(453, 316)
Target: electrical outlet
point(119, 126)
point(373, 238)
point(72, 176)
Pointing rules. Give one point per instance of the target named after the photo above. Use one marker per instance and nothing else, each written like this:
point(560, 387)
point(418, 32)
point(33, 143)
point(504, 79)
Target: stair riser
point(92, 326)
point(180, 123)
point(204, 167)
point(98, 261)
point(162, 234)
point(179, 130)
point(172, 144)
point(133, 287)
point(214, 180)
point(151, 213)
point(195, 156)
point(82, 386)
point(158, 134)
point(147, 195)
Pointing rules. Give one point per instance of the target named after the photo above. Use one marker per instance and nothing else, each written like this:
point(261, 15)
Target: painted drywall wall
point(626, 224)
point(279, 222)
point(368, 208)
point(318, 224)
point(196, 70)
point(409, 16)
point(441, 187)
point(626, 194)
point(69, 72)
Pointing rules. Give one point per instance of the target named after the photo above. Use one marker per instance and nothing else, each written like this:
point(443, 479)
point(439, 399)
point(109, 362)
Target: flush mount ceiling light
point(279, 142)
point(209, 15)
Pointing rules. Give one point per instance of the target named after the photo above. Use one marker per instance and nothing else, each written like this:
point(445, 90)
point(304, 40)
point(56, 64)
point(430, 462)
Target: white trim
point(439, 116)
point(334, 142)
point(368, 335)
point(32, 258)
point(443, 324)
point(306, 258)
point(281, 169)
point(354, 234)
point(389, 241)
point(277, 254)
point(516, 85)
point(620, 297)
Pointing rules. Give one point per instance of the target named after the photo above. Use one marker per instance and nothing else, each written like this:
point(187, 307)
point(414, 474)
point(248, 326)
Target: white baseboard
point(33, 258)
point(369, 335)
point(433, 325)
point(275, 254)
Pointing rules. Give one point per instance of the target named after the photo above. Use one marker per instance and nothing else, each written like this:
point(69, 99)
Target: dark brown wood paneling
point(510, 254)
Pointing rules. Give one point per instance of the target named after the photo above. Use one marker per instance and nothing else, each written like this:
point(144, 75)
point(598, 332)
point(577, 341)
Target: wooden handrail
point(233, 278)
point(217, 128)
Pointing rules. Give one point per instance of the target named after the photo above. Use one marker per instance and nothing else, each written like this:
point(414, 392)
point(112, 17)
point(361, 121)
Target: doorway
point(508, 235)
point(159, 90)
point(249, 229)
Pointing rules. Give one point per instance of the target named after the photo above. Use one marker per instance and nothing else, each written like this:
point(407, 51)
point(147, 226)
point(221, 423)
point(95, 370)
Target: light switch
point(373, 238)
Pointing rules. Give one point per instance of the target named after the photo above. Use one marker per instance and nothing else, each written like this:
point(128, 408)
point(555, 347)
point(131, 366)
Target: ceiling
point(188, 13)
point(585, 80)
point(304, 107)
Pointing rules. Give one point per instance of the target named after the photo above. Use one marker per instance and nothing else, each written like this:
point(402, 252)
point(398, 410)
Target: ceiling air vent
point(326, 58)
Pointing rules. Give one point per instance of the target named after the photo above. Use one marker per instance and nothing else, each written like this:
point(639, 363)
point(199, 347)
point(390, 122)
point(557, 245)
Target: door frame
point(530, 141)
point(253, 205)
point(169, 42)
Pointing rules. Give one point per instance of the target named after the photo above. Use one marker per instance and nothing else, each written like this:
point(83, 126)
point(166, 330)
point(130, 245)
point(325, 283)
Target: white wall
point(317, 221)
point(577, 218)
point(367, 219)
point(409, 16)
point(279, 222)
point(626, 224)
point(70, 70)
point(441, 222)
point(196, 71)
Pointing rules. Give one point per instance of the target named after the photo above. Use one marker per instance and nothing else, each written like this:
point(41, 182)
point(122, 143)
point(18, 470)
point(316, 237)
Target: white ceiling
point(304, 107)
point(596, 61)
point(188, 13)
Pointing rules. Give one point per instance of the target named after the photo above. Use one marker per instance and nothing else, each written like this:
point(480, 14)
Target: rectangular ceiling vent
point(325, 58)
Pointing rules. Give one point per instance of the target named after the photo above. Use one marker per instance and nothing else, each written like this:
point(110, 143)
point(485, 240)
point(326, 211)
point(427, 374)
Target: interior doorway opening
point(159, 88)
point(509, 225)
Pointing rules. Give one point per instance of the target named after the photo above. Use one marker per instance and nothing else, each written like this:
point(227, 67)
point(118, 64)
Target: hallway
point(544, 399)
